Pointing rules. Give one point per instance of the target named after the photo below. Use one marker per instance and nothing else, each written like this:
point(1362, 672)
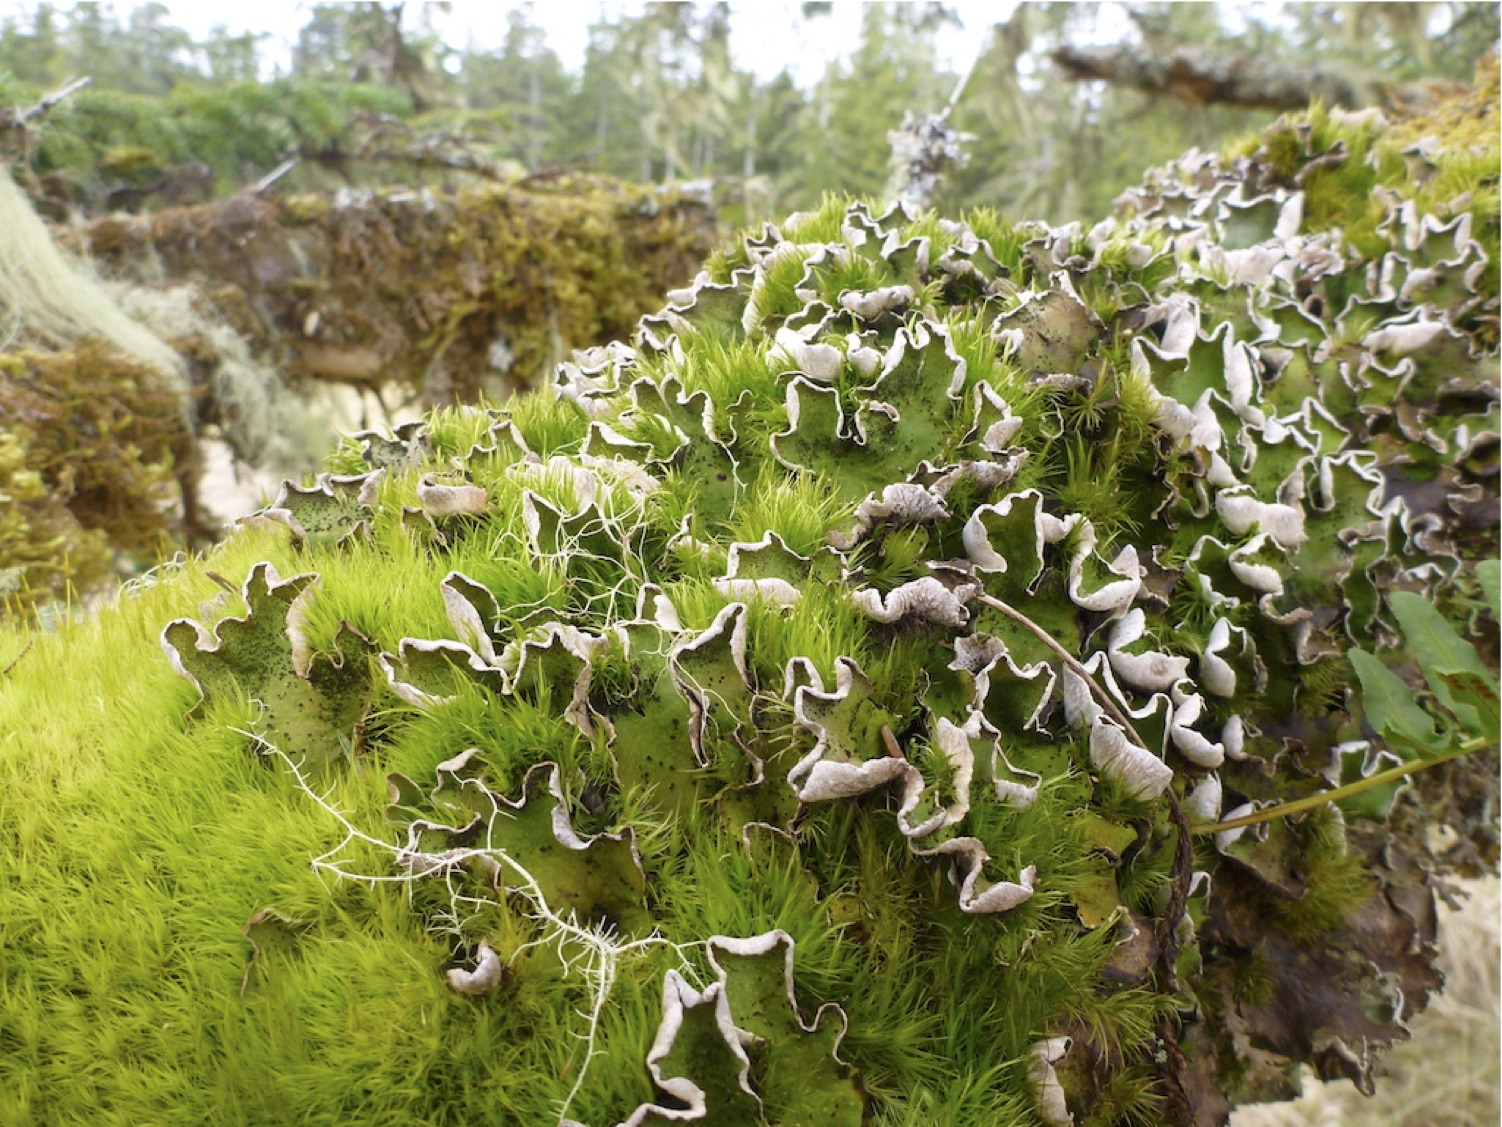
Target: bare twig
point(1178, 900)
point(223, 582)
point(1096, 689)
point(19, 119)
point(264, 184)
point(1183, 860)
point(17, 126)
point(926, 146)
point(16, 660)
point(960, 86)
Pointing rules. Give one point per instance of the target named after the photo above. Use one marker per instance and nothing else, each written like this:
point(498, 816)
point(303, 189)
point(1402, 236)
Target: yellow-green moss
point(89, 444)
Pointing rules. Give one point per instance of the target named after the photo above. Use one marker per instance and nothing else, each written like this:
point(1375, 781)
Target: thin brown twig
point(1183, 861)
point(223, 582)
point(17, 659)
point(1096, 689)
point(1178, 900)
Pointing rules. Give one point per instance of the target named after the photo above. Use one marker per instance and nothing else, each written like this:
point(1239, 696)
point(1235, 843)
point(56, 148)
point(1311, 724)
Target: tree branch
point(19, 119)
point(1203, 76)
point(17, 123)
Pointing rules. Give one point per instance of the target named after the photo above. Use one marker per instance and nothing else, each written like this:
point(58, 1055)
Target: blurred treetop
point(371, 95)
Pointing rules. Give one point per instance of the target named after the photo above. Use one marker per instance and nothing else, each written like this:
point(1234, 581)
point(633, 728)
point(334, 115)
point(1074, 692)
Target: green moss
point(90, 448)
point(822, 224)
point(1254, 984)
point(1337, 879)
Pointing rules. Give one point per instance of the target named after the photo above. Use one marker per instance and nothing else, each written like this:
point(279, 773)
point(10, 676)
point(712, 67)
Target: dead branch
point(20, 119)
point(265, 183)
point(1203, 76)
point(16, 140)
point(383, 139)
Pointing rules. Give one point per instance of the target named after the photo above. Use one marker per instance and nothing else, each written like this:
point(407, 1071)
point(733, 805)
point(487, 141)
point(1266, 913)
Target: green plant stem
point(1282, 810)
point(1469, 747)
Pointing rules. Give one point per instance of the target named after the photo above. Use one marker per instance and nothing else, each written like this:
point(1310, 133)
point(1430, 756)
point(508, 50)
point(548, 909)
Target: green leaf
point(1358, 765)
point(1489, 575)
point(1479, 692)
point(1391, 708)
point(1440, 650)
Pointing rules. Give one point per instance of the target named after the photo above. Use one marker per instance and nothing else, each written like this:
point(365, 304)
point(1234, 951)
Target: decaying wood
point(438, 291)
point(1203, 77)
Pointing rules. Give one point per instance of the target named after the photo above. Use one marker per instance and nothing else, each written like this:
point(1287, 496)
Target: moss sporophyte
point(771, 725)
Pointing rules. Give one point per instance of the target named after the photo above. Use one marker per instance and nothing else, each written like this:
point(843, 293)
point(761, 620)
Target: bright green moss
point(1338, 882)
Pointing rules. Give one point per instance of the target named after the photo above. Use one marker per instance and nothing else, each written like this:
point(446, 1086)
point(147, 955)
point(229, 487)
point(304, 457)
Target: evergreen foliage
point(660, 97)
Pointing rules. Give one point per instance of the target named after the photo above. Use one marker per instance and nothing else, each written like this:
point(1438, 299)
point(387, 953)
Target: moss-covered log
point(448, 292)
point(445, 294)
point(1204, 76)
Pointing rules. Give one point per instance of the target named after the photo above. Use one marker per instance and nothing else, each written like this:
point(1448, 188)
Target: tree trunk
point(534, 116)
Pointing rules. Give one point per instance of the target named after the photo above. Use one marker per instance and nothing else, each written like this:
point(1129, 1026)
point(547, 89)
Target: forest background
point(371, 94)
point(295, 275)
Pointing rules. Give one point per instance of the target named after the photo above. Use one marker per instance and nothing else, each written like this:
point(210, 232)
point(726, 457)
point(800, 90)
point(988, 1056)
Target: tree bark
point(1202, 76)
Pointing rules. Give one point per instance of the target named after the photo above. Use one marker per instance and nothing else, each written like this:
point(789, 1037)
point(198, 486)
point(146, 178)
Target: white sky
point(762, 36)
point(762, 31)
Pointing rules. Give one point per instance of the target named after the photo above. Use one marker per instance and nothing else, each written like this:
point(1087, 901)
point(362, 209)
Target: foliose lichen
point(906, 594)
